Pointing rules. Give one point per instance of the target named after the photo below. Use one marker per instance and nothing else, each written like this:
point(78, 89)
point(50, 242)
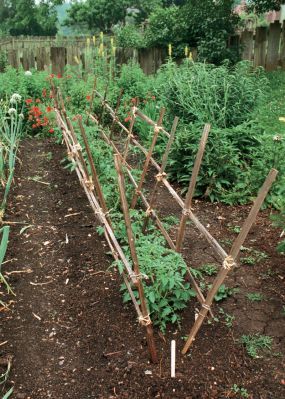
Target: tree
point(97, 15)
point(262, 6)
point(25, 17)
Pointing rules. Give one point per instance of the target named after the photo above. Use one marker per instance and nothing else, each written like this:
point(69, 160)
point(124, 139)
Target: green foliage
point(261, 6)
point(28, 17)
point(224, 292)
point(255, 296)
point(256, 344)
point(163, 28)
point(97, 15)
point(129, 36)
point(228, 319)
point(222, 96)
point(209, 269)
point(242, 392)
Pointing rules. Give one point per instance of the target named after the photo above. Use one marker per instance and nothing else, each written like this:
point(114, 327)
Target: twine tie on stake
point(228, 263)
point(89, 184)
point(157, 128)
point(160, 176)
point(186, 212)
point(139, 276)
point(138, 192)
point(145, 320)
point(149, 211)
point(134, 111)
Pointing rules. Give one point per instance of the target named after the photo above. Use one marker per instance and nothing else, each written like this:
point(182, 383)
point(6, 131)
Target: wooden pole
point(130, 135)
point(162, 170)
point(115, 113)
point(157, 128)
point(191, 189)
point(95, 178)
point(146, 321)
point(100, 119)
point(229, 262)
point(91, 101)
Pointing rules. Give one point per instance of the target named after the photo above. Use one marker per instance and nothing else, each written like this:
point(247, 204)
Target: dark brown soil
point(70, 336)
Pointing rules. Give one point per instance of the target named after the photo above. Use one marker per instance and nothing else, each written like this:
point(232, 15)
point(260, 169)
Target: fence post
point(273, 46)
point(247, 45)
point(260, 47)
point(58, 59)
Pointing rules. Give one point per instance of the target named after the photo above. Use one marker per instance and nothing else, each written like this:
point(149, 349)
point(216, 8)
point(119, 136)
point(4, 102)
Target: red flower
point(127, 119)
point(51, 75)
point(51, 131)
point(28, 101)
point(88, 98)
point(44, 92)
point(34, 126)
point(38, 101)
point(59, 76)
point(49, 109)
point(153, 97)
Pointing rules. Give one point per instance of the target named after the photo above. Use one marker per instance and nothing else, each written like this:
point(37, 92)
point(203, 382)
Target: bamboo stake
point(229, 262)
point(146, 321)
point(152, 212)
point(95, 178)
point(191, 189)
point(116, 112)
point(130, 135)
point(94, 203)
point(92, 101)
point(162, 171)
point(157, 128)
point(100, 119)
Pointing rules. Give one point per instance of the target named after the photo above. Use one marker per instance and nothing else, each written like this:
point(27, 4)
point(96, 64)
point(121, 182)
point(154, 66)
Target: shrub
point(129, 36)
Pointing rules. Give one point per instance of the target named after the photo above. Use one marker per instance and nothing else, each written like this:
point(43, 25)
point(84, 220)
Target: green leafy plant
point(228, 319)
point(255, 296)
point(224, 292)
point(242, 392)
point(256, 344)
point(209, 269)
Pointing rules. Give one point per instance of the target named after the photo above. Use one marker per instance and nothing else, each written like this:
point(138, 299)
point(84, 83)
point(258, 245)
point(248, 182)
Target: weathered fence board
point(274, 36)
point(260, 47)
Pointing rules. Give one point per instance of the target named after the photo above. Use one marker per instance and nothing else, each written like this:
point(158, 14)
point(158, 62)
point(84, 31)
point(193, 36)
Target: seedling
point(225, 292)
point(254, 257)
point(242, 392)
point(256, 344)
point(228, 319)
point(209, 269)
point(235, 229)
point(255, 296)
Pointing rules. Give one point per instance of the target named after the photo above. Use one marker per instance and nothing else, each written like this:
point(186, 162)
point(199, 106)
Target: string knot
point(160, 176)
point(228, 263)
point(186, 212)
point(157, 128)
point(149, 211)
point(145, 320)
point(89, 184)
point(134, 111)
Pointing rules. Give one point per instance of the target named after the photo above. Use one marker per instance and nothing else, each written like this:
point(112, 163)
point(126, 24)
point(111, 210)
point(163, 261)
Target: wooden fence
point(264, 47)
point(43, 53)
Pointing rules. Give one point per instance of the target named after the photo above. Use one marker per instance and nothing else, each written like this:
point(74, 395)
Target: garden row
point(11, 124)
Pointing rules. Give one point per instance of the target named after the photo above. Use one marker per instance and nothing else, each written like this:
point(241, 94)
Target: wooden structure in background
point(264, 47)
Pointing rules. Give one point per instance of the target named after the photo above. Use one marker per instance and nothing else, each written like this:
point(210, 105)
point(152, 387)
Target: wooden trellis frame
point(95, 196)
point(228, 260)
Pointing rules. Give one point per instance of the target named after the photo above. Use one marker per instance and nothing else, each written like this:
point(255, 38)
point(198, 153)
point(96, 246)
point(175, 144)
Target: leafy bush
point(222, 96)
point(129, 36)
